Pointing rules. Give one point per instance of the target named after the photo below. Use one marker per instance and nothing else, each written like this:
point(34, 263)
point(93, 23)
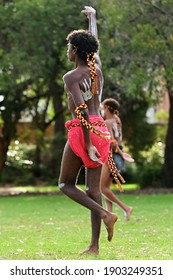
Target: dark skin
point(106, 180)
point(71, 164)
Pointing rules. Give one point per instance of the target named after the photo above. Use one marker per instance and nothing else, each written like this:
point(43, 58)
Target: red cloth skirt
point(77, 143)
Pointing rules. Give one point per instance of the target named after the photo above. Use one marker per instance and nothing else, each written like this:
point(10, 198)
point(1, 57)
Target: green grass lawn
point(51, 189)
point(50, 227)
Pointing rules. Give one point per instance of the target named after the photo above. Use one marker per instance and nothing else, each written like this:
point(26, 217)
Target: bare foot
point(128, 213)
point(109, 223)
point(91, 250)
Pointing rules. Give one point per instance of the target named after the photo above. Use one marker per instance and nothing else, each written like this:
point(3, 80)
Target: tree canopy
point(138, 39)
point(136, 44)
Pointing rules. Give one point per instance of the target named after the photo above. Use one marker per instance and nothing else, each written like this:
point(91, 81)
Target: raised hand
point(88, 10)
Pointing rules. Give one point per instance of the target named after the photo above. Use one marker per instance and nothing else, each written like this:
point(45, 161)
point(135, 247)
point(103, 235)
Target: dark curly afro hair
point(84, 41)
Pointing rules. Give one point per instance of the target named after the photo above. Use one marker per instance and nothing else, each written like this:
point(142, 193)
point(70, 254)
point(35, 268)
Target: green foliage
point(162, 116)
point(18, 155)
point(137, 133)
point(135, 46)
point(21, 166)
point(136, 51)
point(162, 126)
point(51, 158)
point(32, 40)
point(150, 166)
point(131, 173)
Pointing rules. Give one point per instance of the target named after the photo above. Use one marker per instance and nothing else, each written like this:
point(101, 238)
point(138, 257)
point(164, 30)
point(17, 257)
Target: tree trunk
point(3, 152)
point(168, 164)
point(59, 129)
point(37, 171)
point(57, 103)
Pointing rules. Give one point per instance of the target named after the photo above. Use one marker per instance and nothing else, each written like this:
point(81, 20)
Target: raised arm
point(91, 15)
point(90, 12)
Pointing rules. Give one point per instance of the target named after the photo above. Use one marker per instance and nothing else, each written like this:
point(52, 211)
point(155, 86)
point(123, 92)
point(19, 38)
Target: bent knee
point(94, 194)
point(65, 185)
point(61, 185)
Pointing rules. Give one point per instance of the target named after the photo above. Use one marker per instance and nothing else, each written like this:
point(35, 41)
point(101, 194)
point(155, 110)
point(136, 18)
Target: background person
point(110, 112)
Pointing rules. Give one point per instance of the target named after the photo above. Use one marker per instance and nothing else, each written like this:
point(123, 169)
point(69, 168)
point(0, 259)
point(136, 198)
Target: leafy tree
point(136, 50)
point(138, 41)
point(32, 47)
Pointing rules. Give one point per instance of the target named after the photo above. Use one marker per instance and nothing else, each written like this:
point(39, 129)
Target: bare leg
point(70, 167)
point(110, 196)
point(108, 204)
point(93, 191)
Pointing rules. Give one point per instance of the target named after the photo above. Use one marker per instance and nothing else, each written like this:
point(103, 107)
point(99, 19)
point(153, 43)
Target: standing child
point(110, 112)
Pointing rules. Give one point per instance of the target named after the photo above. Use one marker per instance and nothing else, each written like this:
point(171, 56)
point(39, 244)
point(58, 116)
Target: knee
point(62, 184)
point(65, 187)
point(94, 194)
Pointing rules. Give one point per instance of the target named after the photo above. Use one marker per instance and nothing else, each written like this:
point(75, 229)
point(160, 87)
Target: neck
point(79, 62)
point(109, 115)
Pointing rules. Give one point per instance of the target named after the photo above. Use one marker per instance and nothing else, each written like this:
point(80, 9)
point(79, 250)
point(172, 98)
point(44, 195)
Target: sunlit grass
point(54, 227)
point(32, 189)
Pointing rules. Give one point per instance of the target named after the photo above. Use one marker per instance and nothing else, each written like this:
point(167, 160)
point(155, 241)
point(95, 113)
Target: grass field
point(50, 227)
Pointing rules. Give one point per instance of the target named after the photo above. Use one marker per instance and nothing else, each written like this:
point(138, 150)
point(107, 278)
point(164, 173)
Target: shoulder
point(71, 81)
point(118, 120)
point(74, 74)
point(109, 123)
point(69, 75)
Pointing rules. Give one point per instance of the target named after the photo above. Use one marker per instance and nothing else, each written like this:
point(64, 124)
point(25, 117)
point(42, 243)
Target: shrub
point(131, 173)
point(150, 167)
point(19, 164)
point(22, 168)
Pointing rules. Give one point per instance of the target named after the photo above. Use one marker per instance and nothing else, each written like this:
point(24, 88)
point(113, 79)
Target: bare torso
point(80, 91)
point(115, 128)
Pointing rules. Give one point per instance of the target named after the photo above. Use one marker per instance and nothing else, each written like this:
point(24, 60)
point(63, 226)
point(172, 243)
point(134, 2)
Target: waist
point(94, 120)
